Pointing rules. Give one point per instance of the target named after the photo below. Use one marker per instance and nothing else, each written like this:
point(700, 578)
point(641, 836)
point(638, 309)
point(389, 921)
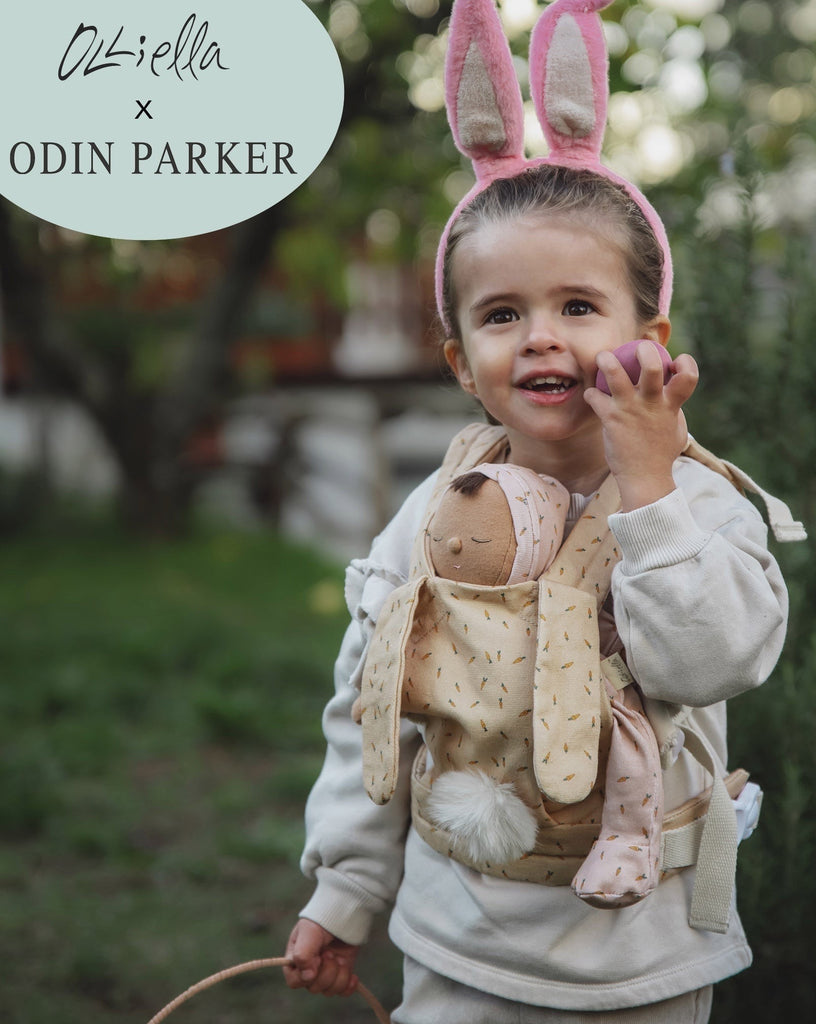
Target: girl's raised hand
point(643, 424)
point(321, 963)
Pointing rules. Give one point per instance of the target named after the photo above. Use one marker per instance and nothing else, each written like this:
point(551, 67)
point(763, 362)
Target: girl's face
point(537, 298)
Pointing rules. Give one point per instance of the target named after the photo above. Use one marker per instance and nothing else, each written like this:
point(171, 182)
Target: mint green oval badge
point(152, 119)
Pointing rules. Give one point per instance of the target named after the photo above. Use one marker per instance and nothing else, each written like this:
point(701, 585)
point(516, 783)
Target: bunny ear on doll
point(482, 92)
point(569, 79)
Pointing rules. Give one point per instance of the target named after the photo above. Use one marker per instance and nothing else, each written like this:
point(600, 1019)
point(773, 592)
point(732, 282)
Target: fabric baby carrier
point(509, 682)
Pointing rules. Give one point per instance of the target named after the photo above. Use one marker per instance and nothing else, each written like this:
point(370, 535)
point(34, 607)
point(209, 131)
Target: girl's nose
point(542, 336)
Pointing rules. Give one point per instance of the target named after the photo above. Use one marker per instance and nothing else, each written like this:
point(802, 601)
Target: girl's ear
point(659, 330)
point(457, 361)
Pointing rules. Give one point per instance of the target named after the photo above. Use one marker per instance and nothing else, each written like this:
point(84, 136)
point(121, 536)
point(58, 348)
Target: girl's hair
point(548, 188)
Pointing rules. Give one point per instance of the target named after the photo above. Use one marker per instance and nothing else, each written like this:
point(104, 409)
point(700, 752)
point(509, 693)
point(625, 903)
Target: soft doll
point(499, 525)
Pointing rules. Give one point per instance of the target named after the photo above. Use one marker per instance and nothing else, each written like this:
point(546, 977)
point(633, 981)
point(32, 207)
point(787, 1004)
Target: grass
point(159, 732)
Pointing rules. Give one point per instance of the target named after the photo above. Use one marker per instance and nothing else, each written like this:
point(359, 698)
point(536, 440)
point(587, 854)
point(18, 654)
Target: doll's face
point(472, 538)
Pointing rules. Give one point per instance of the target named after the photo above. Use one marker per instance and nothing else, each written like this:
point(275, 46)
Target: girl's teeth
point(555, 385)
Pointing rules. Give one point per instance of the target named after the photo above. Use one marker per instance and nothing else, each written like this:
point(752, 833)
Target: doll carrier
point(509, 681)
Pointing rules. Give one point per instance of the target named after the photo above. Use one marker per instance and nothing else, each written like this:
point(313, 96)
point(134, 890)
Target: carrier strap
point(785, 528)
point(710, 842)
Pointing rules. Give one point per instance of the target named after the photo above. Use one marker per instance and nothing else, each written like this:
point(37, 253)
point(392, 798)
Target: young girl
point(545, 270)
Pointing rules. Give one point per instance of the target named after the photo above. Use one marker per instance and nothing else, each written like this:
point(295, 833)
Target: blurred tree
point(147, 385)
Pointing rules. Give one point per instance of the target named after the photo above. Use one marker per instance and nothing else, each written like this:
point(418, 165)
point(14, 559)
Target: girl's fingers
point(617, 378)
point(336, 977)
point(321, 963)
point(326, 977)
point(684, 381)
point(685, 377)
point(651, 370)
point(680, 386)
point(304, 948)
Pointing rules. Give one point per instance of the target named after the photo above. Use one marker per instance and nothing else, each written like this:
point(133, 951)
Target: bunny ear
point(481, 88)
point(569, 70)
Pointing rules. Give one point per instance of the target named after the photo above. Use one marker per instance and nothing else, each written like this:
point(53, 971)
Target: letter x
point(143, 109)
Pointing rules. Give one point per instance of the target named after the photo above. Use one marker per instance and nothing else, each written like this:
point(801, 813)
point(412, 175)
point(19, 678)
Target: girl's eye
point(502, 315)
point(578, 307)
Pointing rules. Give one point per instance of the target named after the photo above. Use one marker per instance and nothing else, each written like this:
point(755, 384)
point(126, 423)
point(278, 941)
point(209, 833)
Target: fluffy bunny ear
point(481, 88)
point(569, 79)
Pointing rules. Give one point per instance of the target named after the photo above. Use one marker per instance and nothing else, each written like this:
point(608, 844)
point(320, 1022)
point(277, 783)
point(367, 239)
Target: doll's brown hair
point(469, 483)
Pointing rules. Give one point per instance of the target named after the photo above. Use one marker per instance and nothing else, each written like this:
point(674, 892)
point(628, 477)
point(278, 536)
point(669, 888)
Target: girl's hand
point(644, 427)
point(321, 963)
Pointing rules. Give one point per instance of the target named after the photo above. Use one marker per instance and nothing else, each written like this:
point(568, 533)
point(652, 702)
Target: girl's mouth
point(550, 385)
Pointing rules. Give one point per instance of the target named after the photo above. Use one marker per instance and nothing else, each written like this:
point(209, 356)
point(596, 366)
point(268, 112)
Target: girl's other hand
point(321, 963)
point(643, 424)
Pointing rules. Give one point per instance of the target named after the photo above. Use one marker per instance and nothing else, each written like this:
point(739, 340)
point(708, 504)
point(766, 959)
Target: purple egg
point(627, 355)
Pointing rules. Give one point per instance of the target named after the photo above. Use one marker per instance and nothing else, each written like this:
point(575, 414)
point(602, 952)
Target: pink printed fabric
point(623, 865)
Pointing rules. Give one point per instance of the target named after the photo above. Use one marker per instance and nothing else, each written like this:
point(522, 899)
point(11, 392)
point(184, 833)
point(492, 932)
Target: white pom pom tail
point(487, 819)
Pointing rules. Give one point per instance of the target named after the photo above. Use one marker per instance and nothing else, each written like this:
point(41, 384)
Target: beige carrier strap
point(785, 528)
point(717, 853)
point(477, 442)
point(708, 837)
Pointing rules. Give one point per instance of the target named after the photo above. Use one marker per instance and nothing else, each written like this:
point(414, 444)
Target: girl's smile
point(537, 298)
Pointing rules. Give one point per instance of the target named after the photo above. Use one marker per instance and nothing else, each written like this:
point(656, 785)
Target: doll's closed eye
point(477, 541)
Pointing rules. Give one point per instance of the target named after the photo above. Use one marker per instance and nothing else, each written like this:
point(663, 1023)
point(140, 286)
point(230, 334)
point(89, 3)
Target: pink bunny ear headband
point(569, 82)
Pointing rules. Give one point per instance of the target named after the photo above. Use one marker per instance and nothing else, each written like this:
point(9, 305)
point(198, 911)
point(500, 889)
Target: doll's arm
point(700, 603)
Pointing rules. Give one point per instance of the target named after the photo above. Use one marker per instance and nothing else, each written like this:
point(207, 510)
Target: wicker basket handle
point(255, 965)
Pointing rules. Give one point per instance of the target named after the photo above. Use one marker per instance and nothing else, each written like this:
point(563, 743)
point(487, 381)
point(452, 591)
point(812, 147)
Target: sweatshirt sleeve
point(700, 603)
point(354, 848)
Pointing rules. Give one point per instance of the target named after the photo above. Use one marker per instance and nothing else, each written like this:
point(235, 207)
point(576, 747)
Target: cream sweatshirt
point(701, 608)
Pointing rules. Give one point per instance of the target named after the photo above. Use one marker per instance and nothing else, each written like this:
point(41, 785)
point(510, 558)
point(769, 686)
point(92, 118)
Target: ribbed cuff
point(657, 535)
point(341, 907)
